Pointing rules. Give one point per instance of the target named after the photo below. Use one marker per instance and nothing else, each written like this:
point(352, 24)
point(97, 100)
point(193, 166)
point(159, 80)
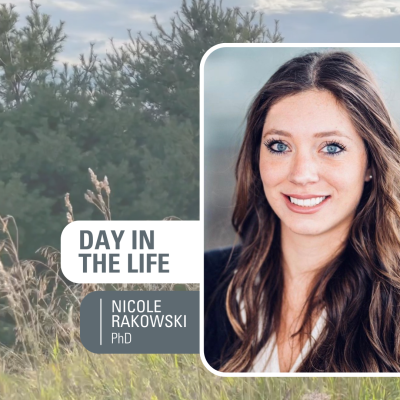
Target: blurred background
point(232, 77)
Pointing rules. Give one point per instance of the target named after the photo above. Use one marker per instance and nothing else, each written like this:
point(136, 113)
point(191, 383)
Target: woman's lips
point(303, 209)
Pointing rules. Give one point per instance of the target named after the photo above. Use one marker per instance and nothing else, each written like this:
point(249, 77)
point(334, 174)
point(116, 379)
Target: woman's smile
point(305, 204)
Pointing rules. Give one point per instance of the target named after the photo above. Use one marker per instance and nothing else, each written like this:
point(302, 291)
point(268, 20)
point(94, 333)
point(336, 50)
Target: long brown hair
point(360, 287)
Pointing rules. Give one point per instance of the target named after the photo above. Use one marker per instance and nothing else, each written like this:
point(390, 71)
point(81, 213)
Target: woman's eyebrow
point(317, 135)
point(276, 132)
point(330, 133)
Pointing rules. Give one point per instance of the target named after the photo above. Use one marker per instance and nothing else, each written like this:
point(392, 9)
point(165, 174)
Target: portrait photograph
point(302, 209)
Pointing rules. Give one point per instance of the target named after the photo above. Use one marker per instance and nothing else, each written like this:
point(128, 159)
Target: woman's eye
point(277, 147)
point(333, 148)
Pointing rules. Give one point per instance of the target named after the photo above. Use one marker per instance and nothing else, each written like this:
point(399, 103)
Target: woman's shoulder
point(218, 333)
point(217, 259)
point(216, 263)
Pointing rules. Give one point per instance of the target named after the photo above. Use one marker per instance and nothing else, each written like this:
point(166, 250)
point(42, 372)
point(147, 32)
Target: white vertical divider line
point(100, 324)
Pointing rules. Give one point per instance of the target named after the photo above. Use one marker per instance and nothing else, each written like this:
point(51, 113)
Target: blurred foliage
point(133, 116)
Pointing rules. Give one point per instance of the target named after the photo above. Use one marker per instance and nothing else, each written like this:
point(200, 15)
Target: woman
point(314, 284)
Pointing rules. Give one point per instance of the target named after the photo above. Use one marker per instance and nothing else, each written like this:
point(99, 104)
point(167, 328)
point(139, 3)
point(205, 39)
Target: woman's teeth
point(307, 202)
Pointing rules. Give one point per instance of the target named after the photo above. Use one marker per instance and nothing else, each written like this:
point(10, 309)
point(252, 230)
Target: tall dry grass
point(41, 303)
point(47, 360)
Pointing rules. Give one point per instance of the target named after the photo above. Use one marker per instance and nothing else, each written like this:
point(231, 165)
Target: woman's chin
point(308, 228)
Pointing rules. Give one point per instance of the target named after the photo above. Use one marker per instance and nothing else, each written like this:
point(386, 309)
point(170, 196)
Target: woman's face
point(313, 163)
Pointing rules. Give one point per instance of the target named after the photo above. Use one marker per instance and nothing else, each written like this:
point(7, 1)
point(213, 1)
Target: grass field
point(47, 361)
point(79, 374)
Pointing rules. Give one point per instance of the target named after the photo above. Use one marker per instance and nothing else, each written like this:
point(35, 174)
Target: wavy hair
point(360, 287)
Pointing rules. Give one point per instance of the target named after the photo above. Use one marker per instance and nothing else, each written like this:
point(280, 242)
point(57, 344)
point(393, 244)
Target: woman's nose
point(303, 168)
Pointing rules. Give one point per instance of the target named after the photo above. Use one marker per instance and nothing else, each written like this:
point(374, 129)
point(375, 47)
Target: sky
point(301, 21)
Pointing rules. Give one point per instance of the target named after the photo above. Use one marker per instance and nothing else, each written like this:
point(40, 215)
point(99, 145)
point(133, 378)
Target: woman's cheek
point(347, 184)
point(273, 172)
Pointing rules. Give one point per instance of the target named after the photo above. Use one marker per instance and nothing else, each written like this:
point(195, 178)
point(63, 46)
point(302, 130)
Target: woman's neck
point(305, 255)
point(303, 258)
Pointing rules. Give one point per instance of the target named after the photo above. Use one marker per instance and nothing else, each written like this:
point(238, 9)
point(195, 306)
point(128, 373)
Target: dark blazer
point(218, 332)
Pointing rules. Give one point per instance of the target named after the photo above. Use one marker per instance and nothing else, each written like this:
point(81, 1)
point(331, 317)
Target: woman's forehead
point(309, 114)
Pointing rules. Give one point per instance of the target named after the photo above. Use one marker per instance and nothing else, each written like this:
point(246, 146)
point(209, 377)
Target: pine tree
point(160, 74)
point(26, 54)
point(133, 117)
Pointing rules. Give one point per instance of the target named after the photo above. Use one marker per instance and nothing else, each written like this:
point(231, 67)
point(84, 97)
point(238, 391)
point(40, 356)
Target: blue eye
point(276, 146)
point(333, 148)
point(280, 147)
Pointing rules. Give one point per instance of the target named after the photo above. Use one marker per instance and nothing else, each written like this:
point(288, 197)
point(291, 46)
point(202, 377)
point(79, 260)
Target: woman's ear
point(368, 175)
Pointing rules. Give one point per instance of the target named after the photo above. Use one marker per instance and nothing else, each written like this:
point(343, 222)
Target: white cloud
point(374, 9)
point(346, 8)
point(140, 16)
point(70, 5)
point(106, 47)
point(284, 6)
point(65, 59)
point(88, 36)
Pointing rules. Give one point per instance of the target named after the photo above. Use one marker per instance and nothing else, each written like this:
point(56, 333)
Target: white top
point(267, 359)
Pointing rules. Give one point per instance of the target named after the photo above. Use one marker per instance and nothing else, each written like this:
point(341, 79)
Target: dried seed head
point(69, 218)
point(68, 203)
point(88, 198)
point(91, 194)
point(171, 218)
point(102, 205)
point(4, 222)
point(106, 185)
point(100, 197)
point(94, 180)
